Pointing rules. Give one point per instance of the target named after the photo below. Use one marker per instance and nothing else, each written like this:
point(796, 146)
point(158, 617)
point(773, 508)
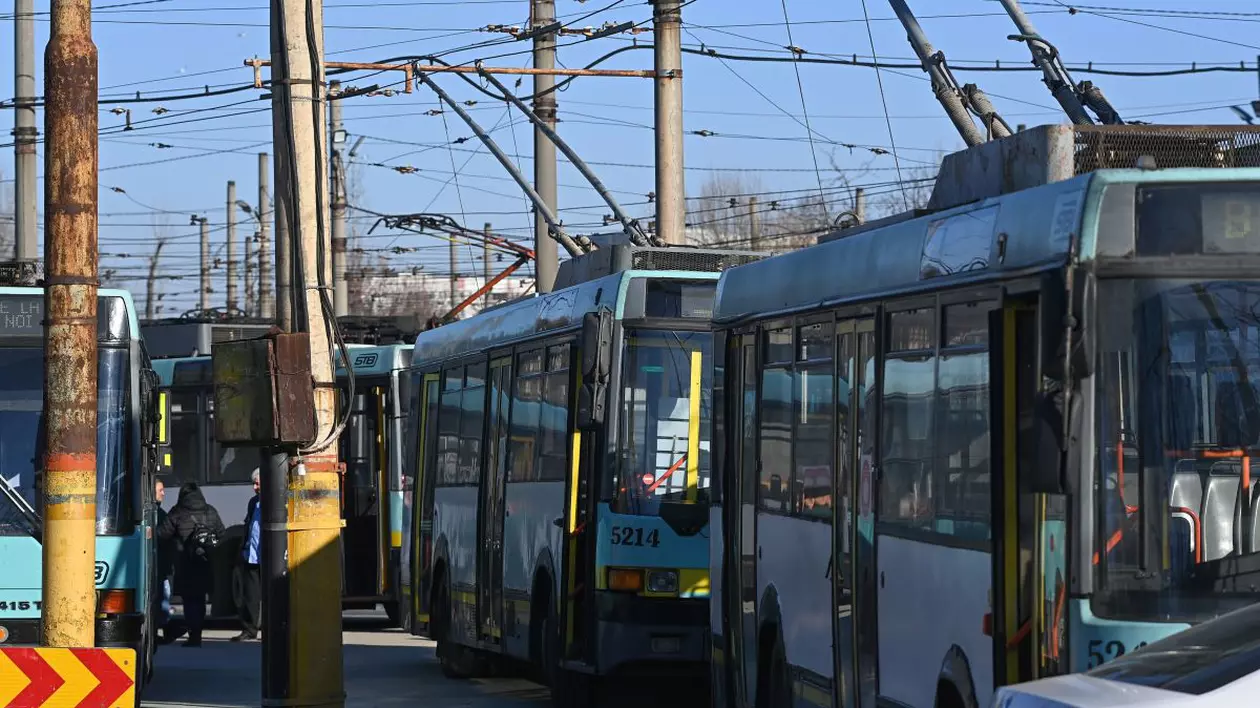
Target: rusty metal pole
point(70, 262)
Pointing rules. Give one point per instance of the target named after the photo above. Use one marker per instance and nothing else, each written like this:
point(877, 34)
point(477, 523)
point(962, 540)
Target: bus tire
point(452, 658)
point(394, 612)
point(569, 689)
point(774, 690)
point(947, 696)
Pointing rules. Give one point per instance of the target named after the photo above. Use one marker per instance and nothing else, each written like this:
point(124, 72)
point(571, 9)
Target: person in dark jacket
point(192, 573)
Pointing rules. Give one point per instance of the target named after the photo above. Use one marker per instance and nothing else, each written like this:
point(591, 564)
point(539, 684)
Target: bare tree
point(721, 215)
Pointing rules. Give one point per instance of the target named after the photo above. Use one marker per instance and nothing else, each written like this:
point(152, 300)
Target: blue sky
point(168, 47)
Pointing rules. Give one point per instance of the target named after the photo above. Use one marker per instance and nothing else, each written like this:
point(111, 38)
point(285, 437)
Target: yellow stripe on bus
point(693, 429)
point(163, 415)
point(1010, 498)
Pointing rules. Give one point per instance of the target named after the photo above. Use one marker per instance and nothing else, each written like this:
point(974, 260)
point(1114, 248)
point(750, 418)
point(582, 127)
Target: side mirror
point(1064, 313)
point(1040, 447)
point(151, 413)
point(597, 340)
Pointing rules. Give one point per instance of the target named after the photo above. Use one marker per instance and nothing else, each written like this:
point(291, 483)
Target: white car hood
point(1079, 691)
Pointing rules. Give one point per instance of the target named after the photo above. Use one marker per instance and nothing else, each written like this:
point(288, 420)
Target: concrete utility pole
point(337, 139)
point(454, 273)
point(231, 245)
point(25, 134)
point(547, 257)
point(70, 300)
point(302, 663)
point(250, 302)
point(859, 204)
point(671, 187)
point(204, 302)
point(150, 291)
point(754, 225)
point(485, 264)
point(280, 143)
point(266, 308)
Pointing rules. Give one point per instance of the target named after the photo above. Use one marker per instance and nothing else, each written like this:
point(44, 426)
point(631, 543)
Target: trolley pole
point(341, 291)
point(266, 308)
point(25, 135)
point(307, 668)
point(671, 188)
point(70, 262)
point(231, 245)
point(547, 260)
point(204, 301)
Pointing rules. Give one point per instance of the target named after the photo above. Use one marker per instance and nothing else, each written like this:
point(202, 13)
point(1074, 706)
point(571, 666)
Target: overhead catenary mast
point(956, 100)
point(1072, 97)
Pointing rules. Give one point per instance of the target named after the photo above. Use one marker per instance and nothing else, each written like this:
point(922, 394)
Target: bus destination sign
point(21, 315)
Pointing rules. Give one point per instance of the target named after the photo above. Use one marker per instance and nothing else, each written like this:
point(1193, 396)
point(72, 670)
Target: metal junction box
point(264, 393)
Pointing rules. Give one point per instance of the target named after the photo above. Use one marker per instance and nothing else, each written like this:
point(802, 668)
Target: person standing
point(165, 567)
point(194, 528)
point(248, 585)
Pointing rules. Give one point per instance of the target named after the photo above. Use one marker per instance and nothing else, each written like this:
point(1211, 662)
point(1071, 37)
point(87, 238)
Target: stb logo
point(365, 360)
point(102, 572)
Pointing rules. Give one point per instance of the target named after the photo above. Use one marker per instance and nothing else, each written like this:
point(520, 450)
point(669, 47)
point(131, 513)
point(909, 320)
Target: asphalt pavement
point(383, 667)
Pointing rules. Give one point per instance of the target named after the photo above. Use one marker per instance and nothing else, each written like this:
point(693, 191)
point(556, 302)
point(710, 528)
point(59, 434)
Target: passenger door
point(853, 546)
point(490, 518)
point(426, 481)
point(360, 493)
point(739, 505)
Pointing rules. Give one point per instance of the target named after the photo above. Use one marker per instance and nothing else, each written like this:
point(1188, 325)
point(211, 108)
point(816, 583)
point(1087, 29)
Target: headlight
point(662, 581)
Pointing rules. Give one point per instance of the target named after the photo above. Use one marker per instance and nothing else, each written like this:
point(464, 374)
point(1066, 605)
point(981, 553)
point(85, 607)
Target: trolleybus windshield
point(1178, 424)
point(665, 406)
point(21, 411)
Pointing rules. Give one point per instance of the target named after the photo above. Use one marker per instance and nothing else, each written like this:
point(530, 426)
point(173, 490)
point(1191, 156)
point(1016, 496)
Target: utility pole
point(280, 143)
point(859, 204)
point(754, 225)
point(671, 188)
point(302, 662)
point(204, 302)
point(150, 291)
point(25, 134)
point(485, 264)
point(454, 273)
point(231, 245)
point(250, 303)
point(266, 309)
point(70, 299)
point(341, 290)
point(547, 260)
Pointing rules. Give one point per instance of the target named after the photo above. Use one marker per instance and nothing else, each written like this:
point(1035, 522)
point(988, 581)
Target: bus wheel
point(456, 660)
point(394, 612)
point(569, 689)
point(777, 689)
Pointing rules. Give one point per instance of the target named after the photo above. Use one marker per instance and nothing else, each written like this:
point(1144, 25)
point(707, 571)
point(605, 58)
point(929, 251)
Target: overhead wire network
point(212, 132)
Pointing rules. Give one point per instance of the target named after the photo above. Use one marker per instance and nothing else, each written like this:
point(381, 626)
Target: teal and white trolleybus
point(1009, 437)
point(561, 449)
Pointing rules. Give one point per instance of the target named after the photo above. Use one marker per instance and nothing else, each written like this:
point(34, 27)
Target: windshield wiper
point(34, 526)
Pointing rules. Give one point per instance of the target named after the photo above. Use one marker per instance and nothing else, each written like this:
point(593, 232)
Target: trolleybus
point(128, 430)
point(562, 456)
point(1008, 438)
point(370, 447)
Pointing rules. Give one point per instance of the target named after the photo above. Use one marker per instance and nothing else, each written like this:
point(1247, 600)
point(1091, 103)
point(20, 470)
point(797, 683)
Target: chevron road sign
point(67, 678)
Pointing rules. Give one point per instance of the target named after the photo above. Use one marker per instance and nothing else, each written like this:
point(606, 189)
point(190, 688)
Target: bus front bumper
point(649, 635)
point(124, 631)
